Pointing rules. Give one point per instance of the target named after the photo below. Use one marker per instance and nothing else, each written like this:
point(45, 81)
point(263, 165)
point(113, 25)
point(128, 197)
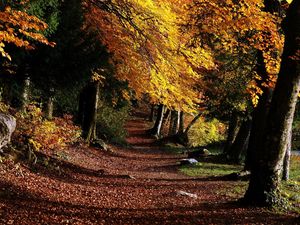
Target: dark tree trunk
point(151, 117)
point(88, 105)
point(6, 89)
point(259, 117)
point(287, 158)
point(233, 129)
point(91, 135)
point(267, 164)
point(174, 123)
point(158, 123)
point(241, 141)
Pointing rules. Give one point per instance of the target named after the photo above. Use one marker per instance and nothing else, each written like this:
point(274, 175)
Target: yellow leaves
point(44, 135)
point(233, 21)
point(149, 50)
point(2, 51)
point(97, 77)
point(34, 144)
point(3, 107)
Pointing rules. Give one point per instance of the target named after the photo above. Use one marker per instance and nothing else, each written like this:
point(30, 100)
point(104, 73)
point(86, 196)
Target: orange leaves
point(44, 135)
point(148, 49)
point(239, 27)
point(15, 25)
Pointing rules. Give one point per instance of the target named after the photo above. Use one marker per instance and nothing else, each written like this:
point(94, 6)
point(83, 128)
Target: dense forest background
point(220, 75)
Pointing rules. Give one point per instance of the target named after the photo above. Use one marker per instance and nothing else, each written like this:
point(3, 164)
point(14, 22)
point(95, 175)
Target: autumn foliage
point(38, 134)
point(19, 28)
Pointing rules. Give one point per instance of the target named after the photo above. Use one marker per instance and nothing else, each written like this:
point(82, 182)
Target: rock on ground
point(7, 127)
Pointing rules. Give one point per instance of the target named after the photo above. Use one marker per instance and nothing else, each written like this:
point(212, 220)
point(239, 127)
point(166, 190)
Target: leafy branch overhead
point(19, 28)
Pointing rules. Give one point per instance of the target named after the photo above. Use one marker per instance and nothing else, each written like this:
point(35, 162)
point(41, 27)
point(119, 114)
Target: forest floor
point(140, 184)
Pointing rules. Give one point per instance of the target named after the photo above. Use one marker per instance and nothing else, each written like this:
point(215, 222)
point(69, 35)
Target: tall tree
point(265, 174)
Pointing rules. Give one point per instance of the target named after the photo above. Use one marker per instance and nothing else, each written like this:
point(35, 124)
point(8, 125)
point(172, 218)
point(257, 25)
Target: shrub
point(38, 134)
point(111, 123)
point(206, 132)
point(3, 107)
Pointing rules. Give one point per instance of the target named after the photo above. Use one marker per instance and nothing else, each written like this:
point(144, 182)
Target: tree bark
point(26, 92)
point(91, 135)
point(260, 113)
point(49, 108)
point(88, 105)
point(174, 123)
point(193, 122)
point(183, 137)
point(241, 141)
point(265, 174)
point(287, 158)
point(233, 129)
point(156, 130)
point(151, 117)
point(259, 117)
point(181, 123)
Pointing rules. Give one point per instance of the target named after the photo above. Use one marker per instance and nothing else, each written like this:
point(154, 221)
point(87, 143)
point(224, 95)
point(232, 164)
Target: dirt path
point(138, 185)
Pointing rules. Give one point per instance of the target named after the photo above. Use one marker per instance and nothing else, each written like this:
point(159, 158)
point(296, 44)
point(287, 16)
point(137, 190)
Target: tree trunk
point(193, 122)
point(181, 123)
point(174, 123)
point(287, 158)
point(183, 137)
point(26, 93)
point(265, 174)
point(233, 129)
point(259, 117)
point(49, 108)
point(241, 141)
point(151, 117)
point(88, 105)
point(158, 123)
point(91, 135)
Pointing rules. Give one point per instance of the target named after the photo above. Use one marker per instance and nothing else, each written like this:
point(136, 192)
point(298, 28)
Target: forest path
point(136, 185)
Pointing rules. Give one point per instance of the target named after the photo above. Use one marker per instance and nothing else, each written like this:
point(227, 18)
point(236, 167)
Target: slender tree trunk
point(181, 123)
point(193, 122)
point(241, 141)
point(233, 129)
point(265, 174)
point(174, 123)
point(151, 117)
point(183, 137)
point(91, 135)
point(166, 114)
point(287, 158)
point(49, 108)
point(156, 130)
point(26, 93)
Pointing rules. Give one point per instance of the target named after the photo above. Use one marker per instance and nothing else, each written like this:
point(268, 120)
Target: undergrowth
point(42, 135)
point(111, 124)
point(205, 132)
point(290, 190)
point(206, 169)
